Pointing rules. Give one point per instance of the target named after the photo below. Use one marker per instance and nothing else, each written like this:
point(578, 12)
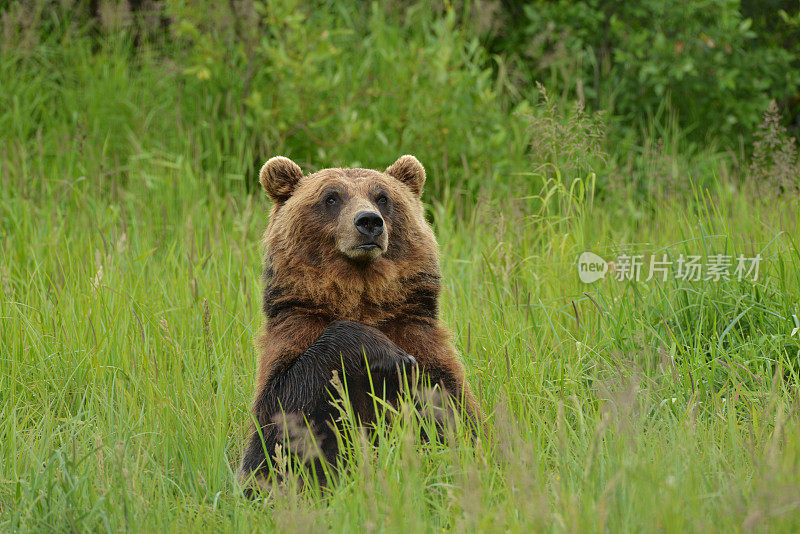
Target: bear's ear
point(410, 171)
point(279, 176)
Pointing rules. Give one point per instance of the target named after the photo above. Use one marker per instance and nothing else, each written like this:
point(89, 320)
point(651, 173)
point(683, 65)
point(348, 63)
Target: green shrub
point(341, 84)
point(701, 59)
point(221, 87)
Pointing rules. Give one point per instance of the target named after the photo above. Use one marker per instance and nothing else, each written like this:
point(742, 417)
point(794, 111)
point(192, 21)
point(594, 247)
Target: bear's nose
point(369, 223)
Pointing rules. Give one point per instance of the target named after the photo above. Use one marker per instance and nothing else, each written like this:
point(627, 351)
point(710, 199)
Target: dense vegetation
point(713, 64)
point(130, 220)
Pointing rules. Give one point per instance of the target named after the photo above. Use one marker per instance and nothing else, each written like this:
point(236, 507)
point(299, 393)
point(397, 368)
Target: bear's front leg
point(301, 390)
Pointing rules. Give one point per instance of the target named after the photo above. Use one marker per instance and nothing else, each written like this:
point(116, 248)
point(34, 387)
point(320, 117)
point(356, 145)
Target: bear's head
point(336, 218)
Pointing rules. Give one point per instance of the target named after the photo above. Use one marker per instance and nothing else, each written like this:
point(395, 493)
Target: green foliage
point(347, 84)
point(701, 59)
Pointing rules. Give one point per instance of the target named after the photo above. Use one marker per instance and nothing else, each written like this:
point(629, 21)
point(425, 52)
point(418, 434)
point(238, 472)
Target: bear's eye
point(382, 200)
point(330, 200)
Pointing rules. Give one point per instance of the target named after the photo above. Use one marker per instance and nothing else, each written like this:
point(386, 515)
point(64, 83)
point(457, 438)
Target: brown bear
point(352, 281)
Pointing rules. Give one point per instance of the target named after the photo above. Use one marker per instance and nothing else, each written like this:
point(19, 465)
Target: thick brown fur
point(311, 283)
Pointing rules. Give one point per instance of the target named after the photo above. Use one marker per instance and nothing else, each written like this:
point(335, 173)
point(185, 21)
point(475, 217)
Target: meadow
point(130, 270)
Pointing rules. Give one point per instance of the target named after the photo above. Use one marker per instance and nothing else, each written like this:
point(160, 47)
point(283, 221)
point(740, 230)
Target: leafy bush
point(701, 59)
point(223, 86)
point(333, 83)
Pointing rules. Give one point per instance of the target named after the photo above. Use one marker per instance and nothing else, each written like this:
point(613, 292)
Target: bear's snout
point(369, 223)
point(362, 234)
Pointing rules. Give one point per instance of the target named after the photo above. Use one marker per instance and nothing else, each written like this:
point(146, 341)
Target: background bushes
point(714, 64)
point(330, 83)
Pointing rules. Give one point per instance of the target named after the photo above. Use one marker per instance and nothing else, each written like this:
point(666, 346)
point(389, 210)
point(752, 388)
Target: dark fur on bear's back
point(326, 301)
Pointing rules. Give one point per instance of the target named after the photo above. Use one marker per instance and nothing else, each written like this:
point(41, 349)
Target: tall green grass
point(130, 287)
point(128, 367)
